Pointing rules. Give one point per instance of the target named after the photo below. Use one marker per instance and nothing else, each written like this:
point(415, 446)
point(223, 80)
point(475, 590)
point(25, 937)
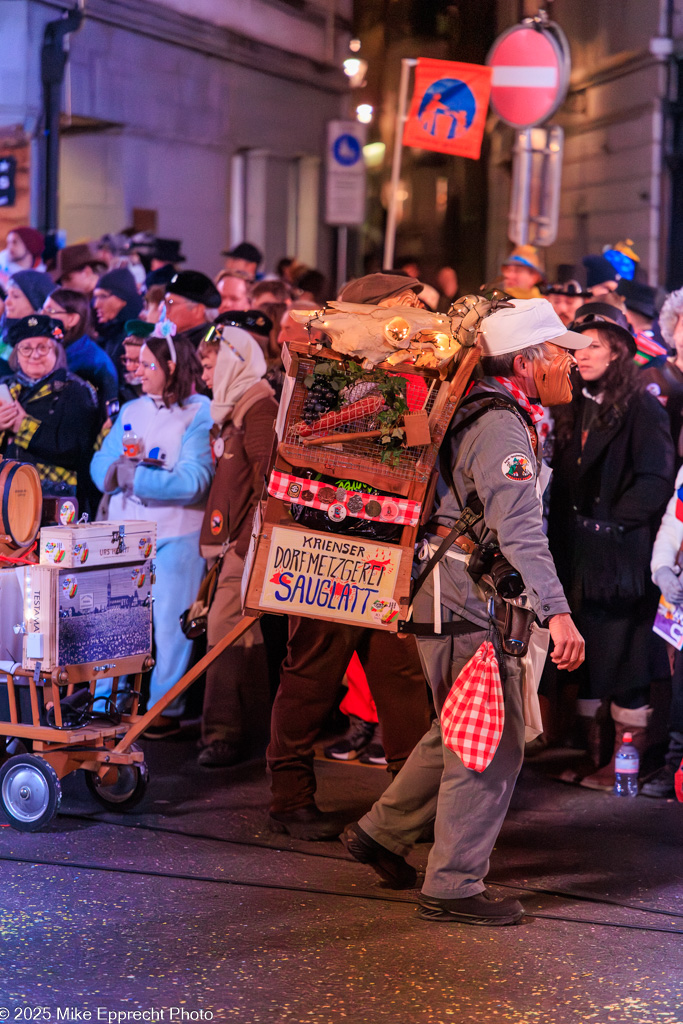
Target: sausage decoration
point(367, 406)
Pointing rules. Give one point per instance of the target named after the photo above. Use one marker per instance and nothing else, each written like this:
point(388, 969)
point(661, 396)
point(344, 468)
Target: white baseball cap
point(525, 323)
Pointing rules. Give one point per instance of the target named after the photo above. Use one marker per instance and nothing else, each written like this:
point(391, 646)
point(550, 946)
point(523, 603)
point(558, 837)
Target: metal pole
point(53, 60)
point(342, 255)
point(390, 237)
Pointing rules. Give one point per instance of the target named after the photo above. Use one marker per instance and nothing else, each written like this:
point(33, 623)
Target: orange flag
point(448, 112)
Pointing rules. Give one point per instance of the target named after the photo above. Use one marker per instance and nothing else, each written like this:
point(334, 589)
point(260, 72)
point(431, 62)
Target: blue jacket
point(85, 358)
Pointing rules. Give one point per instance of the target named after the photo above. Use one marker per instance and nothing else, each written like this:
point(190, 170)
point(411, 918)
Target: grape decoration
point(321, 398)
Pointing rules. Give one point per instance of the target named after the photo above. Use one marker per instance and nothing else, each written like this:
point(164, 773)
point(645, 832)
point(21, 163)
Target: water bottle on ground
point(131, 441)
point(626, 767)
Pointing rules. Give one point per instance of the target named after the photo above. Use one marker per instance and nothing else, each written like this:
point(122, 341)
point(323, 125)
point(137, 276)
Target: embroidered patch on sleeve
point(517, 467)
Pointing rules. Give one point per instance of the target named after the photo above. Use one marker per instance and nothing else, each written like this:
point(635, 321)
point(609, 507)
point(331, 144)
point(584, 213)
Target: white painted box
point(78, 616)
point(92, 544)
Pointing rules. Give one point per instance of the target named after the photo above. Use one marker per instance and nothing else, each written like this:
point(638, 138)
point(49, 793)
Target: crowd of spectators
point(114, 340)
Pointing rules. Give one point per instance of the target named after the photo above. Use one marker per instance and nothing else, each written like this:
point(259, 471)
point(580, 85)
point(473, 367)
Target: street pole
point(401, 115)
point(342, 255)
point(53, 60)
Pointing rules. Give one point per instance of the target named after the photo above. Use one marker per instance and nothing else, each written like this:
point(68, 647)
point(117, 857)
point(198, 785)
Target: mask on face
point(552, 377)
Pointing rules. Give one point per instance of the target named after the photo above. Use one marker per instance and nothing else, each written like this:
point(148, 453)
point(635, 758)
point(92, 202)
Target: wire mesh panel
point(358, 456)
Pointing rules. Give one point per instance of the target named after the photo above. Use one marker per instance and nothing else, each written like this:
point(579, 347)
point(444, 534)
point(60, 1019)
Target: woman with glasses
point(165, 478)
point(50, 419)
point(83, 355)
point(613, 469)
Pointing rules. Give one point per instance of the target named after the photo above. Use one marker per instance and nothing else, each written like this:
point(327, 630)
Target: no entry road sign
point(530, 74)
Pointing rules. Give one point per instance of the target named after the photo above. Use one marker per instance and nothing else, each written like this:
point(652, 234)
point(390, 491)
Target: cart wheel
point(30, 792)
point(128, 788)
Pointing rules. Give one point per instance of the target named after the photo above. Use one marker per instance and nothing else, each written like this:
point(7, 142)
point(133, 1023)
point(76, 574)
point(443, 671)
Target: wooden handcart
point(106, 750)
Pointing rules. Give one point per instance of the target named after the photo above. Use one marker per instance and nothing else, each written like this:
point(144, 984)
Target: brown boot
point(594, 734)
point(604, 778)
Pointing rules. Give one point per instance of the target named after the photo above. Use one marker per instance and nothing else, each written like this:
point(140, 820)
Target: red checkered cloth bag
point(473, 714)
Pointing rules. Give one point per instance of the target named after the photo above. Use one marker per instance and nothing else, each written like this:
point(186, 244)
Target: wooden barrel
point(21, 503)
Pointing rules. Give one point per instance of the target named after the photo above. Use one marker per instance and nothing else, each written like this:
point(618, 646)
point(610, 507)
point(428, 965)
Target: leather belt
point(465, 544)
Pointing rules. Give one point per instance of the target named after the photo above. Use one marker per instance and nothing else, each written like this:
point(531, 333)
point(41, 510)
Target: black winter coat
point(606, 503)
point(58, 433)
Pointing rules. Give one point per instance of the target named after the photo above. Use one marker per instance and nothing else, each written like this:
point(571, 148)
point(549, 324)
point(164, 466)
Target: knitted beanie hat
point(35, 285)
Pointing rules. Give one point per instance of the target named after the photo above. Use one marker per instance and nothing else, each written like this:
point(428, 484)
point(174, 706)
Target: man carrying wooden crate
point(493, 473)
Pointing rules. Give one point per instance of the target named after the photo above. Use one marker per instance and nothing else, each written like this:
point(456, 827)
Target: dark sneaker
point(219, 754)
point(305, 823)
point(661, 785)
point(354, 743)
point(391, 867)
point(373, 754)
point(480, 909)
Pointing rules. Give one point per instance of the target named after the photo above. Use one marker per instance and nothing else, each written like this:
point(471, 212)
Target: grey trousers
point(468, 807)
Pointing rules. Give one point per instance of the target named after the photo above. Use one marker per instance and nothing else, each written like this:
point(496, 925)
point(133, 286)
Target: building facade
point(619, 122)
point(206, 126)
point(623, 127)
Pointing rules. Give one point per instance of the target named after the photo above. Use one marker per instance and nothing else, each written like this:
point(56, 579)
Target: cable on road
point(303, 890)
point(518, 886)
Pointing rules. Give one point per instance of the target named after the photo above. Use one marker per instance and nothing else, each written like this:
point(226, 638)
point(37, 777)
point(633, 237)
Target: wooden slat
point(12, 697)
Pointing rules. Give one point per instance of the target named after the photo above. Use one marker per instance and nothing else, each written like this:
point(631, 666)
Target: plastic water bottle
point(131, 441)
point(626, 767)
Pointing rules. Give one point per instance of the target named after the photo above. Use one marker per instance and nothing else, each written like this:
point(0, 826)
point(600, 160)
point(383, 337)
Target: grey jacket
point(494, 458)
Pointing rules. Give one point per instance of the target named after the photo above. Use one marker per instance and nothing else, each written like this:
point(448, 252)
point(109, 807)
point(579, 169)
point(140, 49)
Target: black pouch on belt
point(517, 630)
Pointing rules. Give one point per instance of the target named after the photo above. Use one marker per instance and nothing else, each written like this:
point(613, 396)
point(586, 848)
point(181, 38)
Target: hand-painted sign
point(331, 577)
point(448, 111)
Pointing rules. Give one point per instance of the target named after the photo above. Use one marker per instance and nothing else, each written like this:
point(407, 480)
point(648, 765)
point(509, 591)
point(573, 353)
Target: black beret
point(248, 319)
point(35, 326)
point(195, 286)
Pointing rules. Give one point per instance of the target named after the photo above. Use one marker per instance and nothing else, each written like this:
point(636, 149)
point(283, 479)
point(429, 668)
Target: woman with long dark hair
point(167, 480)
point(83, 355)
point(613, 473)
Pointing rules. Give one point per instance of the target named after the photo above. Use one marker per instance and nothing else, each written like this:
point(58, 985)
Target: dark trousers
point(318, 653)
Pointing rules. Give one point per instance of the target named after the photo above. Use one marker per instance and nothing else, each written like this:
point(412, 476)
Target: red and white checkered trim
point(473, 714)
point(381, 508)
